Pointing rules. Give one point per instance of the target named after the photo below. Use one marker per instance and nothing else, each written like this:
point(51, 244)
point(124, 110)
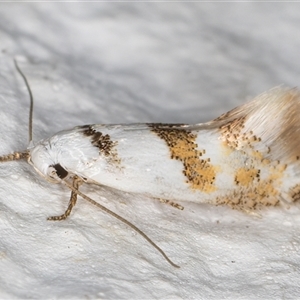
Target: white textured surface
point(139, 62)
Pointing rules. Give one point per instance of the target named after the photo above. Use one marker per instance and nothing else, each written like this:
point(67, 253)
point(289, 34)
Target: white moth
point(247, 158)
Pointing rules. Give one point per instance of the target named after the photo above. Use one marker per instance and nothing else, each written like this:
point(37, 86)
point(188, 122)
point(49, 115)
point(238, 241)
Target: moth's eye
point(60, 171)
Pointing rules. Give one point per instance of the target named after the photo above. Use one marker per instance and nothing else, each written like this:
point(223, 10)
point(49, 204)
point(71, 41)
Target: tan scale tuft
point(255, 192)
point(245, 177)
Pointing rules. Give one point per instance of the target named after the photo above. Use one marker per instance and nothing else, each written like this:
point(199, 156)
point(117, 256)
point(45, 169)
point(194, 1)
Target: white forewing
point(246, 158)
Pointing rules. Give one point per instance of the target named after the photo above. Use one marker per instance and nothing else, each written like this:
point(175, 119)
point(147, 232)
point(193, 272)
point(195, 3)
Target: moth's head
point(42, 161)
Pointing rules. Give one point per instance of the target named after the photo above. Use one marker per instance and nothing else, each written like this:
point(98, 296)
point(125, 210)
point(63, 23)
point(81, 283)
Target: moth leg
point(174, 204)
point(76, 183)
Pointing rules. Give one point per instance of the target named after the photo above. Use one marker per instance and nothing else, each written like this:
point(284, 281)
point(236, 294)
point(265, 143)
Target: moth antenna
point(108, 211)
point(23, 154)
point(15, 156)
point(31, 100)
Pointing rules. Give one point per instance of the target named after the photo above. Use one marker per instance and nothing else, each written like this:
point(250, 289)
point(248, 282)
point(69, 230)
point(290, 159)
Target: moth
point(248, 158)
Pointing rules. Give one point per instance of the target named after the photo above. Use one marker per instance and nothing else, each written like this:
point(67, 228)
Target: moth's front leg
point(76, 183)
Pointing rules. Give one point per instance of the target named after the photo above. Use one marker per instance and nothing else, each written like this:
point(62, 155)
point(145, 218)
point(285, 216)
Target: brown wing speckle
point(103, 142)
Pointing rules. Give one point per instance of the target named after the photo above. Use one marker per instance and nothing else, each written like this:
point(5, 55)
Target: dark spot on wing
point(100, 140)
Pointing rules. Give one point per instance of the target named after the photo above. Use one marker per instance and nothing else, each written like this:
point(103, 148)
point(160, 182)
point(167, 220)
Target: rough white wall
point(139, 62)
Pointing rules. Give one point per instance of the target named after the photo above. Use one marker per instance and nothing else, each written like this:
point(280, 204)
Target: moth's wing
point(248, 152)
